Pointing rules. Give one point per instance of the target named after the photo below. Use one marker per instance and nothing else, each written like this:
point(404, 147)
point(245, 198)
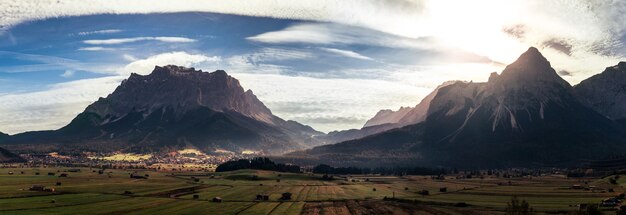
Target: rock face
point(181, 89)
point(606, 92)
point(177, 107)
point(526, 116)
point(8, 157)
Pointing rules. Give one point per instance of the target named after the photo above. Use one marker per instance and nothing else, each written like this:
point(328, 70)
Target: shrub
point(515, 207)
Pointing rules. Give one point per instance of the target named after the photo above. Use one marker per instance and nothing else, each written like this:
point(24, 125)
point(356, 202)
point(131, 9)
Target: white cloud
point(96, 48)
point(136, 39)
point(68, 73)
point(129, 57)
point(145, 66)
point(105, 31)
point(334, 34)
point(347, 53)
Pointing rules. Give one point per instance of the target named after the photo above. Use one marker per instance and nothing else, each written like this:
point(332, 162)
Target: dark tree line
point(257, 163)
point(326, 169)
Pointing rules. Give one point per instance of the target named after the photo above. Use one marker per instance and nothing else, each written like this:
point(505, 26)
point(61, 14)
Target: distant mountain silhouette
point(526, 116)
point(177, 107)
point(386, 120)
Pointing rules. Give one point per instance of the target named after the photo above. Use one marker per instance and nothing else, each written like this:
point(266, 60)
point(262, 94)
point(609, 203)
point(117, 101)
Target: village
point(181, 160)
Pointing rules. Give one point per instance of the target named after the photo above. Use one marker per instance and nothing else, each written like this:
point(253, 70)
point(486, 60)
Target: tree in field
point(515, 207)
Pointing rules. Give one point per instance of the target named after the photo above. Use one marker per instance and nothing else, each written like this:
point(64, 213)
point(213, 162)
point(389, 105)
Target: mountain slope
point(398, 147)
point(527, 116)
point(606, 92)
point(386, 120)
point(387, 116)
point(178, 107)
point(8, 157)
point(406, 115)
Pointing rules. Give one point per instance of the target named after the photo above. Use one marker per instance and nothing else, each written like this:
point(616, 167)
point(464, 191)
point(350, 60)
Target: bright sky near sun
point(328, 64)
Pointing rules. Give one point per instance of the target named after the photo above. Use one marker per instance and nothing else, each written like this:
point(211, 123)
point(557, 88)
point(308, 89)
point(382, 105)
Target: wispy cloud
point(37, 63)
point(335, 34)
point(136, 39)
point(347, 53)
point(105, 31)
point(96, 48)
point(68, 73)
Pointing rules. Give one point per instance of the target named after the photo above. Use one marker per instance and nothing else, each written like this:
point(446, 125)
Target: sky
point(328, 64)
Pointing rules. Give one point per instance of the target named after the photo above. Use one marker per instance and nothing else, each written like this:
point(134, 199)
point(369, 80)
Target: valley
point(85, 190)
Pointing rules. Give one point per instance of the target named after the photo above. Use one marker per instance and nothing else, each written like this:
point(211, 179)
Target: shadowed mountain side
point(606, 92)
point(400, 148)
point(7, 157)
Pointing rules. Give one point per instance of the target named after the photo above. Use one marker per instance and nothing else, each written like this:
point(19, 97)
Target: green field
point(114, 192)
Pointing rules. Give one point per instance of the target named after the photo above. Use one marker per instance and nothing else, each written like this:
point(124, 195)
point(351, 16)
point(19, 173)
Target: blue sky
point(313, 61)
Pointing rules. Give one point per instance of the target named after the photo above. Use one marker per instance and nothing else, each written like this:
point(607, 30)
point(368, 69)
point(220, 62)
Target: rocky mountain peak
point(530, 67)
point(182, 89)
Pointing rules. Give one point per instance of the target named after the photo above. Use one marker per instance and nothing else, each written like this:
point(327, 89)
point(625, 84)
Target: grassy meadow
point(114, 192)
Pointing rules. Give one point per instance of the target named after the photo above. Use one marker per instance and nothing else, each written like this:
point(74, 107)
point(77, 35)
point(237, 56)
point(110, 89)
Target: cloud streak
point(96, 48)
point(105, 31)
point(137, 39)
point(347, 53)
point(335, 34)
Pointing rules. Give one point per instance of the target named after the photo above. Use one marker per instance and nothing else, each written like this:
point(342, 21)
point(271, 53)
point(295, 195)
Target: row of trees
point(326, 169)
point(257, 163)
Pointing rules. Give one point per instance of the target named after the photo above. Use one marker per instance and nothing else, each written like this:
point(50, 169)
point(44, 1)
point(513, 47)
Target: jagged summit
point(182, 89)
point(531, 66)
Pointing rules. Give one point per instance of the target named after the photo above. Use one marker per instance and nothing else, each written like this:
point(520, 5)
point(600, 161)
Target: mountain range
point(176, 107)
point(525, 116)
